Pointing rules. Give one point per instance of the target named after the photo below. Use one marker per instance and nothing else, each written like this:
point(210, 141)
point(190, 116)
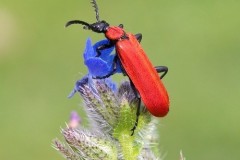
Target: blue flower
point(102, 65)
point(98, 66)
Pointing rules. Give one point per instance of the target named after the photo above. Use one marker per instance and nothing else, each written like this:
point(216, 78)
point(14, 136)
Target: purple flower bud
point(74, 120)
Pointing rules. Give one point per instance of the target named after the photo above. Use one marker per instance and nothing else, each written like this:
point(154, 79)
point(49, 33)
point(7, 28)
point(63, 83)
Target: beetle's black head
point(99, 27)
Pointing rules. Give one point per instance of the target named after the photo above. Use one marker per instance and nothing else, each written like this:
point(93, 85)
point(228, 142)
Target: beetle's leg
point(120, 25)
point(139, 37)
point(160, 69)
point(102, 47)
point(138, 106)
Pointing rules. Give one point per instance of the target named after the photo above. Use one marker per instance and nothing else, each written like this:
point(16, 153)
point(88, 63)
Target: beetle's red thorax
point(114, 33)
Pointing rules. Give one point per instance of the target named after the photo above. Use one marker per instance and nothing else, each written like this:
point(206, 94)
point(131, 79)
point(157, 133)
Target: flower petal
point(78, 85)
point(97, 67)
point(105, 52)
point(89, 51)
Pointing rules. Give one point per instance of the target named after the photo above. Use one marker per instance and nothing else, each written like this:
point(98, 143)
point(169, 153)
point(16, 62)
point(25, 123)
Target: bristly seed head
point(112, 113)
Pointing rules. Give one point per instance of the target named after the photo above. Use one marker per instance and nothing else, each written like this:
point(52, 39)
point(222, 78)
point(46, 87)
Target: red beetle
point(135, 64)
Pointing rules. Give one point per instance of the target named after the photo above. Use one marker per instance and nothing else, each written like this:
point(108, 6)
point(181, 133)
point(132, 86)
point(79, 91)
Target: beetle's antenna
point(86, 25)
point(95, 6)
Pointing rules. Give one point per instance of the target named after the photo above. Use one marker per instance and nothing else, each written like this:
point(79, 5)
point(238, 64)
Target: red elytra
point(141, 72)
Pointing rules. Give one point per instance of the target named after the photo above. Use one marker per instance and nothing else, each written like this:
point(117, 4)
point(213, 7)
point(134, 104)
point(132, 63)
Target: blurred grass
point(40, 60)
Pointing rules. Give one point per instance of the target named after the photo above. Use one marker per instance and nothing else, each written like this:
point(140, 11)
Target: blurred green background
point(40, 61)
